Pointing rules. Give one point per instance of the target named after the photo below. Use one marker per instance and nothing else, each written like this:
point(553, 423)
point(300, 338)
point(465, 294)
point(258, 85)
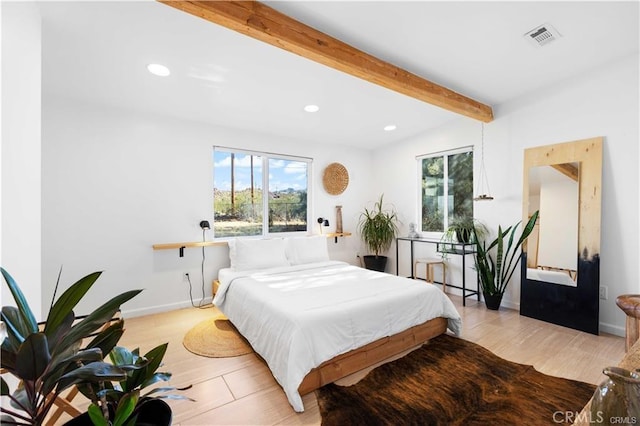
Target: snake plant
point(495, 273)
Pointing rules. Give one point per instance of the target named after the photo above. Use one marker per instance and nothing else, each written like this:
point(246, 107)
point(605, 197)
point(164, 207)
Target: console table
point(449, 248)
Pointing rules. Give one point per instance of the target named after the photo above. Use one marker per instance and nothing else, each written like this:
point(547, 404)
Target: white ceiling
point(99, 51)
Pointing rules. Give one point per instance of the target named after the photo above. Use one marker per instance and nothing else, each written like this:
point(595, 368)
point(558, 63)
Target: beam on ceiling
point(259, 21)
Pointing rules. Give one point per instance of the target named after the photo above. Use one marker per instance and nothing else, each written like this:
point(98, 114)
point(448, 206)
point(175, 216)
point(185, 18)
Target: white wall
point(20, 157)
point(116, 182)
point(603, 102)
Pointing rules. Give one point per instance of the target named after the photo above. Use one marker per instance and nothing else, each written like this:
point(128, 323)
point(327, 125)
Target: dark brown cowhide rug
point(451, 381)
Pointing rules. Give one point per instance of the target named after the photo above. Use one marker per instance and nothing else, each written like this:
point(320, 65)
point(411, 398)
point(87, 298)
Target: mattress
point(297, 317)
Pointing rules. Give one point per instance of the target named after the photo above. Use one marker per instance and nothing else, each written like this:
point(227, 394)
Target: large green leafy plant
point(496, 268)
point(50, 357)
point(126, 398)
point(378, 227)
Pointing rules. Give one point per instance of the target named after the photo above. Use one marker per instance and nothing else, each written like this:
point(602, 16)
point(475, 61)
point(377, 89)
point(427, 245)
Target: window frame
point(442, 154)
point(265, 158)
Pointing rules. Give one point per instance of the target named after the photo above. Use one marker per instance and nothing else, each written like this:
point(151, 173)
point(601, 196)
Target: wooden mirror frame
point(575, 307)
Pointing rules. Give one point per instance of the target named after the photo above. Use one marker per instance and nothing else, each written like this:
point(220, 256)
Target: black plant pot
point(492, 301)
point(375, 263)
point(155, 412)
point(152, 412)
point(463, 235)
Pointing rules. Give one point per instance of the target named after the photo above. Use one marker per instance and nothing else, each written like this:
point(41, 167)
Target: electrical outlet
point(604, 293)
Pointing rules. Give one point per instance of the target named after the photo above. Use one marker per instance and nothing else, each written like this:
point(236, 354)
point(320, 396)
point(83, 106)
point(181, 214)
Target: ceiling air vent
point(543, 35)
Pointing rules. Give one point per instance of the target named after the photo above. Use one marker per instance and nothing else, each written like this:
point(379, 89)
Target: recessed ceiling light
point(312, 108)
point(159, 70)
point(390, 127)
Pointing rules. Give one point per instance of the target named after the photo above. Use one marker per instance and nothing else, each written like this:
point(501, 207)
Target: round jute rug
point(216, 338)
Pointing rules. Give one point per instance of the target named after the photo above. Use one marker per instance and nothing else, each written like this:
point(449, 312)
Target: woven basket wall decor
point(335, 178)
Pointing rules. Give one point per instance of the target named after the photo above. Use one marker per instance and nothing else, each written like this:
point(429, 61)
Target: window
point(242, 208)
point(449, 173)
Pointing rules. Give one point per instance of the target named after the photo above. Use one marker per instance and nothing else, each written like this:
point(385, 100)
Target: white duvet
point(297, 317)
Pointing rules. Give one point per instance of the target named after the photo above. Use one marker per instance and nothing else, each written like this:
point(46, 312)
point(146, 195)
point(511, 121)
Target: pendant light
point(483, 181)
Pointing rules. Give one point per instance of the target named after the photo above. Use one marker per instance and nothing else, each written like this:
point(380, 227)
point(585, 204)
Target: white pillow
point(301, 250)
point(248, 254)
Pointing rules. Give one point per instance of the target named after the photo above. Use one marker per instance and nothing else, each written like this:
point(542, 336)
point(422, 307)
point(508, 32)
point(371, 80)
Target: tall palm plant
point(378, 227)
point(495, 273)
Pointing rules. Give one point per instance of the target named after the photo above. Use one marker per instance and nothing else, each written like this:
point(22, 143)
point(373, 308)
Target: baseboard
point(616, 330)
point(506, 303)
point(511, 305)
point(132, 313)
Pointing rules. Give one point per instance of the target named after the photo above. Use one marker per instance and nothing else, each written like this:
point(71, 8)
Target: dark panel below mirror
point(573, 307)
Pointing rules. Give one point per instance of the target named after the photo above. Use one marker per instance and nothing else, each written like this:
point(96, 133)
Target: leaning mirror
point(553, 244)
point(560, 275)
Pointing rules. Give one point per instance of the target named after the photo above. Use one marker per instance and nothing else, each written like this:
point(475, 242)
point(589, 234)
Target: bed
point(314, 320)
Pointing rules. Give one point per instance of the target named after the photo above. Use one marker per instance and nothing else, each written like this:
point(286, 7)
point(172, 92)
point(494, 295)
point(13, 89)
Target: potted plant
point(494, 273)
point(378, 228)
point(464, 229)
point(124, 403)
point(50, 357)
point(48, 361)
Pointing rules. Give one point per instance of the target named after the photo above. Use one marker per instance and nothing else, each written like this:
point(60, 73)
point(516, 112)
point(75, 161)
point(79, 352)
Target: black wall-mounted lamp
point(204, 224)
point(322, 222)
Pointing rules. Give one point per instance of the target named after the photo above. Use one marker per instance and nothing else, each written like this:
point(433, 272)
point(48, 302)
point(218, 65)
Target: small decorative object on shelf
point(617, 399)
point(338, 219)
point(412, 231)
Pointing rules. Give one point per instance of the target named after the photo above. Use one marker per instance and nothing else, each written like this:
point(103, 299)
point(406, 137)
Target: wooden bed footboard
point(368, 355)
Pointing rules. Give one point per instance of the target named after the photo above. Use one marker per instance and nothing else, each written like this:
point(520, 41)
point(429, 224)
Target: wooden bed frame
point(358, 359)
point(371, 354)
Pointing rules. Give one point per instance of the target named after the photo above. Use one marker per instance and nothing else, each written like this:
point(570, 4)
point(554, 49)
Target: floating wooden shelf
point(189, 244)
point(338, 234)
point(182, 246)
point(335, 235)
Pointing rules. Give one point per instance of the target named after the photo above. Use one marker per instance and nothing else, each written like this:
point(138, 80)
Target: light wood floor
point(241, 390)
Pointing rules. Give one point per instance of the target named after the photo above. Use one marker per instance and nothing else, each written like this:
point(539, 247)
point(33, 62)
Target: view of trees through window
point(450, 174)
point(239, 203)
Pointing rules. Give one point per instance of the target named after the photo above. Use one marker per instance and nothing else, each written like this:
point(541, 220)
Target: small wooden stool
point(429, 264)
point(630, 305)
